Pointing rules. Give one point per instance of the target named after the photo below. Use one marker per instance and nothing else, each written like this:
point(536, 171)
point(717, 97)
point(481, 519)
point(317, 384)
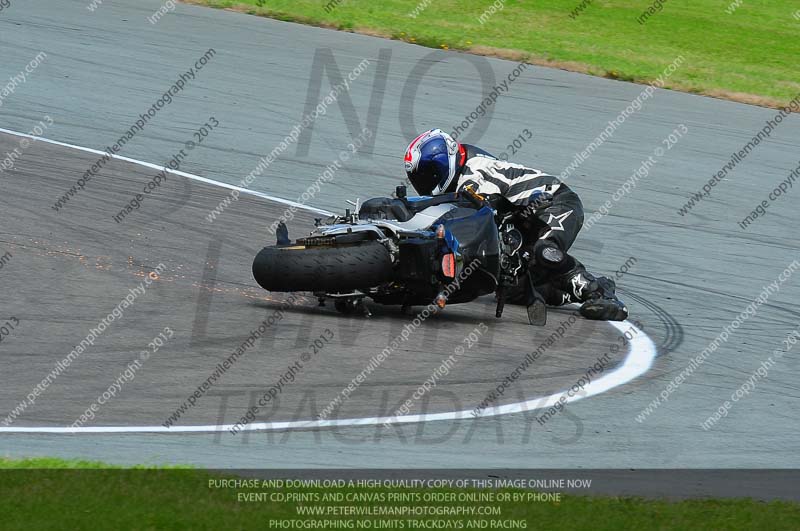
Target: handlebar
point(474, 197)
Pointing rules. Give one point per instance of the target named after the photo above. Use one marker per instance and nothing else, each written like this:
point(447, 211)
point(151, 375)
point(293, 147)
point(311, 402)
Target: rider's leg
point(597, 294)
point(561, 278)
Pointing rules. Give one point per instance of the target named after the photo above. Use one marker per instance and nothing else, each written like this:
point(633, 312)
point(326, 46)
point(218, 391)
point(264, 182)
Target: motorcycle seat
point(404, 209)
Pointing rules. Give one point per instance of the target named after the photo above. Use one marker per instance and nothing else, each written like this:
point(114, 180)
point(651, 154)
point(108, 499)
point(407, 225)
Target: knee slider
point(549, 256)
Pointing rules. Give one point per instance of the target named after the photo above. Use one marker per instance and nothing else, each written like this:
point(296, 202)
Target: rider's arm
point(519, 184)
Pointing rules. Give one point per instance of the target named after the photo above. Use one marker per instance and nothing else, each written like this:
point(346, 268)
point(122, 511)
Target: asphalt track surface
point(692, 276)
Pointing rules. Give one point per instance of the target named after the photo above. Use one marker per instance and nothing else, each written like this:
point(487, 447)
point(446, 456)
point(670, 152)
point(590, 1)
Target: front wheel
point(335, 269)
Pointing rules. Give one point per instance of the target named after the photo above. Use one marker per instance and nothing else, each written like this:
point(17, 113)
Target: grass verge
point(59, 494)
point(747, 55)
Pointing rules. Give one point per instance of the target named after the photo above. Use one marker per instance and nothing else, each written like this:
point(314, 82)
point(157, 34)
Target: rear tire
point(340, 269)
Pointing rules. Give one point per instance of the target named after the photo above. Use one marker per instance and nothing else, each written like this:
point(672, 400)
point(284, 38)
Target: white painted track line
point(640, 358)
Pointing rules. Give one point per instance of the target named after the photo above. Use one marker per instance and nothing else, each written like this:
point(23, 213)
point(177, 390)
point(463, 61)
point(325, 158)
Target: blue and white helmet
point(431, 162)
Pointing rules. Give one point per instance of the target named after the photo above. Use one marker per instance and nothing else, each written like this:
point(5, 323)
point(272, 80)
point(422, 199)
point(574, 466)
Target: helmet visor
point(430, 174)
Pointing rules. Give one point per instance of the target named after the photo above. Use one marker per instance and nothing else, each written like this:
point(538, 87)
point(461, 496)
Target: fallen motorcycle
point(407, 251)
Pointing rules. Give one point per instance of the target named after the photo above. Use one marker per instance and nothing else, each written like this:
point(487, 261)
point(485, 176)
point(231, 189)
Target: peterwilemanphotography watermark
point(728, 330)
point(226, 364)
point(469, 341)
point(5, 258)
point(16, 80)
point(642, 172)
point(410, 328)
point(314, 349)
point(137, 127)
point(740, 156)
point(85, 344)
point(580, 8)
point(308, 119)
point(751, 383)
point(761, 209)
point(631, 109)
point(489, 101)
point(326, 176)
point(173, 164)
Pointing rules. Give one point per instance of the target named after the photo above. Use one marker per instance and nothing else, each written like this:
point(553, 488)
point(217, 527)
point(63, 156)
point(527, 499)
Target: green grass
point(750, 55)
point(58, 494)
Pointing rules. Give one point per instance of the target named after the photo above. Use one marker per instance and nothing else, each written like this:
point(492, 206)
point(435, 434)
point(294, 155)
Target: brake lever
point(474, 197)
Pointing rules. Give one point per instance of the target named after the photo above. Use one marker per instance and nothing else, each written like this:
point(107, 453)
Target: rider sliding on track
point(437, 164)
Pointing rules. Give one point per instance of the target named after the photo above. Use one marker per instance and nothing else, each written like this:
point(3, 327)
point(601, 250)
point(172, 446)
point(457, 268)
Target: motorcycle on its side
point(406, 251)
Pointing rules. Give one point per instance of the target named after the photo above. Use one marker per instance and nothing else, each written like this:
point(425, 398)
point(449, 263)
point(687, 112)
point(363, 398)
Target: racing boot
point(561, 279)
point(597, 294)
